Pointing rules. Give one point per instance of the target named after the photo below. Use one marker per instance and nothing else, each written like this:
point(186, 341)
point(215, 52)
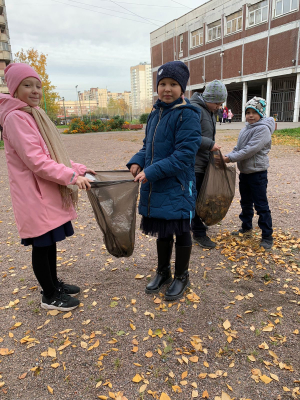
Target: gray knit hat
point(258, 104)
point(215, 92)
point(176, 70)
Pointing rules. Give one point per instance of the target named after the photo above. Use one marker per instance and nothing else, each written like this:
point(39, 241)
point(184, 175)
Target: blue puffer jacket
point(173, 136)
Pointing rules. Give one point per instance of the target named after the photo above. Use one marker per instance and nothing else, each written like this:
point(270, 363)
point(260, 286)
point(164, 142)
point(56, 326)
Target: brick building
point(253, 47)
point(5, 50)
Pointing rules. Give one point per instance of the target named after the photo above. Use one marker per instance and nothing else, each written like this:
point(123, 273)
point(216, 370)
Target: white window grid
point(214, 31)
point(181, 43)
point(197, 38)
point(258, 13)
point(234, 24)
point(285, 6)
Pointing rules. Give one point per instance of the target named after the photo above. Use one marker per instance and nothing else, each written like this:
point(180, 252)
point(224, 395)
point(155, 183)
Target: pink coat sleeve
point(26, 140)
point(79, 168)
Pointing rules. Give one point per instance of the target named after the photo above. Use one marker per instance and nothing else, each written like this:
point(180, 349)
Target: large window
point(258, 13)
point(214, 31)
point(285, 6)
point(181, 44)
point(197, 38)
point(234, 22)
point(4, 46)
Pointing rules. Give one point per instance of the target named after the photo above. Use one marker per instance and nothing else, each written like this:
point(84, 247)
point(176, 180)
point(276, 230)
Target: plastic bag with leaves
point(113, 197)
point(217, 190)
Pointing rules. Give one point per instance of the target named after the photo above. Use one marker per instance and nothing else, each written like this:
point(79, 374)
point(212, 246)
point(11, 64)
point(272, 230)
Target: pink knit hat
point(16, 73)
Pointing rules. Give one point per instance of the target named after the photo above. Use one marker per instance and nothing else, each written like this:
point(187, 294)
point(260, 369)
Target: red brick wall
point(196, 70)
point(156, 55)
point(256, 29)
point(232, 62)
point(282, 49)
point(212, 67)
point(285, 19)
point(233, 37)
point(255, 56)
point(168, 53)
point(154, 75)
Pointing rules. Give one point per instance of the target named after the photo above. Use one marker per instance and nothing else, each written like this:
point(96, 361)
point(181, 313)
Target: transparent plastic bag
point(113, 197)
point(217, 190)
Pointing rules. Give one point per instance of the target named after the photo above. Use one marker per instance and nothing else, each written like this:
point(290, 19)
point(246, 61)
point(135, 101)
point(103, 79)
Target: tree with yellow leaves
point(38, 61)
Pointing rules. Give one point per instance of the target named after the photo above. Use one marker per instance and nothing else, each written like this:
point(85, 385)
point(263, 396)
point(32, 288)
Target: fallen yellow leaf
point(50, 390)
point(137, 378)
point(164, 396)
point(226, 324)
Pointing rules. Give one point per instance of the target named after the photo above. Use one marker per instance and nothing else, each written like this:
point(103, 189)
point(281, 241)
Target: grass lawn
point(1, 144)
point(287, 136)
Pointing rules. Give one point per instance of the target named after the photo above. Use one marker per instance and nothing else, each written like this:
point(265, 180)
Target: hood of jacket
point(197, 99)
point(267, 121)
point(9, 104)
point(177, 103)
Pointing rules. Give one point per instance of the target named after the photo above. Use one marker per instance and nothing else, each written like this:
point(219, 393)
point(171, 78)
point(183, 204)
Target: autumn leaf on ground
point(50, 390)
point(164, 396)
point(137, 378)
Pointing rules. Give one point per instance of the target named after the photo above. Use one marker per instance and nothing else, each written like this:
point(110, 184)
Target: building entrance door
point(283, 99)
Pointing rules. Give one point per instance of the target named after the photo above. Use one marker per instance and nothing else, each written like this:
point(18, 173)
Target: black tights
point(181, 240)
point(44, 268)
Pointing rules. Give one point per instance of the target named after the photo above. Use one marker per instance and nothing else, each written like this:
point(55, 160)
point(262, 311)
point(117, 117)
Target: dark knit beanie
point(176, 70)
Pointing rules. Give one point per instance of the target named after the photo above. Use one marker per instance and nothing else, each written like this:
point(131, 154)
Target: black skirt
point(51, 237)
point(164, 228)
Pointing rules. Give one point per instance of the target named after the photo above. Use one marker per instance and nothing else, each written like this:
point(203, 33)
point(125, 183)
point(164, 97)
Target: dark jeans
point(253, 191)
point(198, 227)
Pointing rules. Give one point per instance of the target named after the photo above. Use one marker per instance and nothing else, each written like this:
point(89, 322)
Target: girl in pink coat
point(44, 182)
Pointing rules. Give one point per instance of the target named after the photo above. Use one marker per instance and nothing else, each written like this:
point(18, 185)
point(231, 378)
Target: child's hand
point(141, 177)
point(135, 169)
point(215, 147)
point(90, 171)
point(83, 183)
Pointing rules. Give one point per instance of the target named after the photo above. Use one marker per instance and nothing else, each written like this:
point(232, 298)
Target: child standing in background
point(230, 116)
point(225, 115)
point(43, 180)
point(165, 167)
point(251, 155)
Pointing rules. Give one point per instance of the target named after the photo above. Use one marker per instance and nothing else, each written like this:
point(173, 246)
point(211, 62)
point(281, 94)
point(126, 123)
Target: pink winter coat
point(33, 175)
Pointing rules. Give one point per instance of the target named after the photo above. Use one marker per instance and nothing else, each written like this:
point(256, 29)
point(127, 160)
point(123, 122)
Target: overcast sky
point(90, 43)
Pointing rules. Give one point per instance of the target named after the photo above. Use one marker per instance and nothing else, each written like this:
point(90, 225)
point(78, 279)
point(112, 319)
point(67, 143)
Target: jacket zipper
point(160, 114)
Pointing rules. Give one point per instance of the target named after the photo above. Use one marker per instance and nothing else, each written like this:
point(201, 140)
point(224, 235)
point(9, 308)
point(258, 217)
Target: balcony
point(5, 56)
point(3, 37)
point(2, 20)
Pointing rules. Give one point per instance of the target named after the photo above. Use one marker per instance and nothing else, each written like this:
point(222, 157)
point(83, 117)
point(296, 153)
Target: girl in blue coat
point(165, 167)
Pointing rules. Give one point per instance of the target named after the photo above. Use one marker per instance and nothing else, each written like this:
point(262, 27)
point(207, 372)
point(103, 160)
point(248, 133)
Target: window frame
point(181, 44)
point(213, 28)
point(275, 15)
point(200, 35)
point(234, 19)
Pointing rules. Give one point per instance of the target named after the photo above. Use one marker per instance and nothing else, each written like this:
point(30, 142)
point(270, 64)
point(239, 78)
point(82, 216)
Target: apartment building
point(141, 88)
point(91, 101)
point(252, 46)
point(5, 49)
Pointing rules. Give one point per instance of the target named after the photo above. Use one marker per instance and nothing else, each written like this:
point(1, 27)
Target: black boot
point(163, 273)
point(181, 279)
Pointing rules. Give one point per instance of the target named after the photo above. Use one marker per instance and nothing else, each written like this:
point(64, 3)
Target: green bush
point(143, 118)
point(85, 126)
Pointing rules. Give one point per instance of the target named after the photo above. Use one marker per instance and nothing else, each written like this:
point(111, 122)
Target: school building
point(5, 49)
point(252, 46)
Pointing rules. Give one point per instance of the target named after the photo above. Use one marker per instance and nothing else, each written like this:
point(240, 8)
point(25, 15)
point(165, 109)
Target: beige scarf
point(56, 149)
